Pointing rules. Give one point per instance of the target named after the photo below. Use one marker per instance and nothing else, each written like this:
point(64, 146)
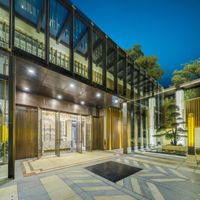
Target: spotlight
point(31, 71)
point(27, 89)
point(116, 101)
point(82, 103)
point(72, 85)
point(59, 97)
point(98, 95)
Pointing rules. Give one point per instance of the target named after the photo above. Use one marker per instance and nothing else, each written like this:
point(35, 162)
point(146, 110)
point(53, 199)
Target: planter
point(198, 158)
point(175, 149)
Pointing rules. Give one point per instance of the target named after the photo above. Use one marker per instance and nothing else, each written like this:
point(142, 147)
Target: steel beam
point(11, 94)
point(63, 29)
point(47, 30)
point(71, 41)
point(90, 52)
point(41, 16)
point(81, 39)
point(105, 44)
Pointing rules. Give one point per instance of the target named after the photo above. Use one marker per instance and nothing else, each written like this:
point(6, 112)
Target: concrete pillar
point(152, 131)
point(141, 131)
point(147, 132)
point(181, 106)
point(125, 127)
point(135, 134)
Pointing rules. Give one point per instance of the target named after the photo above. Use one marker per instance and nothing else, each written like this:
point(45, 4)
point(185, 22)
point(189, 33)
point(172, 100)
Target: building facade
point(66, 86)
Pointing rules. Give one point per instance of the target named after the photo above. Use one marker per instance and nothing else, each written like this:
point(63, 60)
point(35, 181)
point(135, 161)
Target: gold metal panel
point(193, 106)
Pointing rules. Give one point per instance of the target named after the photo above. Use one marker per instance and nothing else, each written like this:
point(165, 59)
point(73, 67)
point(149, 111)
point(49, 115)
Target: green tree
point(170, 127)
point(189, 72)
point(148, 63)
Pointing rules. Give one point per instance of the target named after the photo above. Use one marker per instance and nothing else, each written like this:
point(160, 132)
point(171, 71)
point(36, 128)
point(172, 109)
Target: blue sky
point(169, 29)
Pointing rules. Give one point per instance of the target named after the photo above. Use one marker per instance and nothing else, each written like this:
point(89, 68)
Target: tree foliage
point(148, 63)
point(171, 127)
point(189, 72)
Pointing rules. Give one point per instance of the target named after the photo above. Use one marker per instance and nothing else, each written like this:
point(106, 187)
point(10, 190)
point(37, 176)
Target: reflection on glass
point(120, 71)
point(4, 26)
point(97, 63)
point(80, 48)
point(59, 32)
point(29, 17)
point(128, 81)
point(4, 64)
point(3, 130)
point(110, 65)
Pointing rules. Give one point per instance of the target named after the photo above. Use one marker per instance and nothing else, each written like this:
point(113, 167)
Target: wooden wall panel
point(26, 132)
point(193, 106)
point(98, 133)
point(114, 135)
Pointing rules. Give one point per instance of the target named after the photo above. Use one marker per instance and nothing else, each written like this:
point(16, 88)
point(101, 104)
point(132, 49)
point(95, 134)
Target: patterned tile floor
point(162, 178)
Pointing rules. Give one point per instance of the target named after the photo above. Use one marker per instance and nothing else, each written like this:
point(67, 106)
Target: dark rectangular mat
point(113, 171)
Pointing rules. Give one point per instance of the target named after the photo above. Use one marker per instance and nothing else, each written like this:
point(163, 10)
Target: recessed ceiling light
point(98, 94)
point(26, 89)
point(72, 85)
point(31, 71)
point(82, 102)
point(59, 96)
point(116, 101)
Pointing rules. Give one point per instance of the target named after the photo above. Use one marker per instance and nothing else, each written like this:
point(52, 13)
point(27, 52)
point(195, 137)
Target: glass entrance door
point(63, 133)
point(48, 132)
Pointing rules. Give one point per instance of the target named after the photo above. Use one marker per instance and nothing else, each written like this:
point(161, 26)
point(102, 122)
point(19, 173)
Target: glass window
point(120, 72)
point(97, 64)
point(29, 26)
point(59, 34)
point(4, 64)
point(111, 64)
point(80, 48)
point(128, 80)
point(3, 129)
point(4, 24)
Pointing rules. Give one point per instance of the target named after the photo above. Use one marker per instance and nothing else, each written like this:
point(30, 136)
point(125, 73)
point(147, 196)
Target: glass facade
point(97, 58)
point(59, 53)
point(3, 117)
point(29, 27)
point(62, 38)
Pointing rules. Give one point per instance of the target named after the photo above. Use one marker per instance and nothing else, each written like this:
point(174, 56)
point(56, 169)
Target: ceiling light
point(82, 103)
point(116, 101)
point(72, 85)
point(31, 71)
point(26, 89)
point(98, 94)
point(59, 97)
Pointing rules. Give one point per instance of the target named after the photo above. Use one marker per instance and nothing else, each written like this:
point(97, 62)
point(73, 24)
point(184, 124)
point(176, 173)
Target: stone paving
point(162, 178)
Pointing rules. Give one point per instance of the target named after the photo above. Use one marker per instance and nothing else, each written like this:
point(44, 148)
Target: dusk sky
point(169, 29)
